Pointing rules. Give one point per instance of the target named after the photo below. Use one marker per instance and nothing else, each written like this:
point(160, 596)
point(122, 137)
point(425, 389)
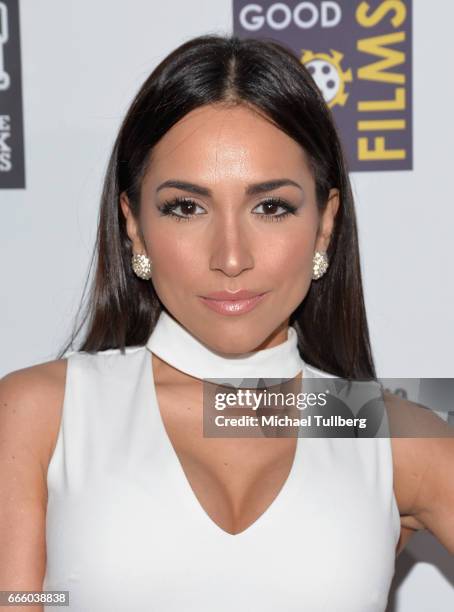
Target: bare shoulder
point(31, 400)
point(423, 462)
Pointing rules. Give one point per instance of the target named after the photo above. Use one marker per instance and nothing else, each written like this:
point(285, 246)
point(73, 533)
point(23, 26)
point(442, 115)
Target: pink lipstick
point(229, 303)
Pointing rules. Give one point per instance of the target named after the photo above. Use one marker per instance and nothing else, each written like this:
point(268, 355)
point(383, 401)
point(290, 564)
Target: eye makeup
point(169, 206)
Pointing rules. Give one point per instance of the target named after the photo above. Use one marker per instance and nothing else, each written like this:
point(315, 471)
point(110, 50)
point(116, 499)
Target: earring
point(320, 264)
point(141, 265)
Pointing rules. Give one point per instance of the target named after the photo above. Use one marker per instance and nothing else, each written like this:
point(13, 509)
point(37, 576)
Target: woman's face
point(224, 236)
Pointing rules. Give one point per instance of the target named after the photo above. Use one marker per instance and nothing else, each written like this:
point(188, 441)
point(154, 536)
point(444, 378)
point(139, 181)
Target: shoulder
point(423, 458)
point(30, 406)
point(32, 398)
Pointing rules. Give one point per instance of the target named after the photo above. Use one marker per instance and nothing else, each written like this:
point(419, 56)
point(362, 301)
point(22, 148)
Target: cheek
point(177, 264)
point(290, 272)
point(290, 258)
point(289, 263)
point(291, 254)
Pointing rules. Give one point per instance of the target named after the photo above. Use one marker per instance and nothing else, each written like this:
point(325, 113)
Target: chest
point(137, 535)
point(233, 479)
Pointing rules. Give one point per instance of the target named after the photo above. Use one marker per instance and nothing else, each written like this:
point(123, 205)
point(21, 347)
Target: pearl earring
point(320, 264)
point(141, 265)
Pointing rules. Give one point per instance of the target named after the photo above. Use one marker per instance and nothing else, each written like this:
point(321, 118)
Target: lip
point(233, 306)
point(243, 294)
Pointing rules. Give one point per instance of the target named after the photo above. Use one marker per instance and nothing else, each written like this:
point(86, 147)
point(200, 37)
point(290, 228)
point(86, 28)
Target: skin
point(227, 248)
point(224, 246)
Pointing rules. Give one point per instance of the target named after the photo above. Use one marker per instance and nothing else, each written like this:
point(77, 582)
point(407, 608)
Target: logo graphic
point(359, 55)
point(327, 73)
point(12, 174)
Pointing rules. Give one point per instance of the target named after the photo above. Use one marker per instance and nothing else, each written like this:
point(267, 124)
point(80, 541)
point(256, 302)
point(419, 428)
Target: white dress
point(126, 533)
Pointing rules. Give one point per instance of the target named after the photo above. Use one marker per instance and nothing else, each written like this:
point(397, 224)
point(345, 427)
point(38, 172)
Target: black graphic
point(12, 170)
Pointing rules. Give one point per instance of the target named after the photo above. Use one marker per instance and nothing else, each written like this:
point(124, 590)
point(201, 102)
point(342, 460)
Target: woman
point(227, 245)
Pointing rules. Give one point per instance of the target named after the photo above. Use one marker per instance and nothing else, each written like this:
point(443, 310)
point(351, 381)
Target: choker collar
point(172, 343)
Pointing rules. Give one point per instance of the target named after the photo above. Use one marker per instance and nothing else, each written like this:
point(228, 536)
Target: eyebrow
point(253, 189)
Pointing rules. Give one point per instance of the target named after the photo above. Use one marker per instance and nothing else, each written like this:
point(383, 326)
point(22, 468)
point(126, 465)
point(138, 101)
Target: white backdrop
point(82, 62)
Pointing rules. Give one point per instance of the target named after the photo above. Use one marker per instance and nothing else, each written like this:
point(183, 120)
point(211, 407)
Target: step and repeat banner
point(68, 71)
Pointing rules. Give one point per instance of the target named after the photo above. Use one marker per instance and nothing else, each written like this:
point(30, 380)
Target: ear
point(132, 227)
point(327, 221)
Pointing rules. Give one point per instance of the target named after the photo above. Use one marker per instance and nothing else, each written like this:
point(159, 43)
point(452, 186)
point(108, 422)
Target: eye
point(272, 203)
point(185, 204)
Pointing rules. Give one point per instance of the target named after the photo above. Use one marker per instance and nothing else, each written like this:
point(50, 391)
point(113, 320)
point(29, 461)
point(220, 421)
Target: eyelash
point(167, 208)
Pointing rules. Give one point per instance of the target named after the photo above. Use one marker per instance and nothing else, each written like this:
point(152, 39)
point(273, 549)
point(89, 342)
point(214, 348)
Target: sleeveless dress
point(126, 533)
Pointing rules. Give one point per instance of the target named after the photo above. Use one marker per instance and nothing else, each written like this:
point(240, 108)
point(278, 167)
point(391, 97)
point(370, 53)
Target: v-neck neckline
point(284, 495)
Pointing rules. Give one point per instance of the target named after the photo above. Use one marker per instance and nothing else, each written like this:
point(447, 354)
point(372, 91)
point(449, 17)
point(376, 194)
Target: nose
point(231, 251)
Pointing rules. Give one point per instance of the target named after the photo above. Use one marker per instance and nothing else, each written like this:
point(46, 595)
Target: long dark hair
point(122, 309)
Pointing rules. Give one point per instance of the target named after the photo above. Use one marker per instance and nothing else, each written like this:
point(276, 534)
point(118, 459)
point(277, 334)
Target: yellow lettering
point(372, 72)
point(379, 152)
point(384, 105)
point(399, 8)
point(381, 124)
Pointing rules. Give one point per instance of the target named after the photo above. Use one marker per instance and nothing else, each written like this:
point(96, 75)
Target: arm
point(434, 502)
point(427, 467)
point(28, 402)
